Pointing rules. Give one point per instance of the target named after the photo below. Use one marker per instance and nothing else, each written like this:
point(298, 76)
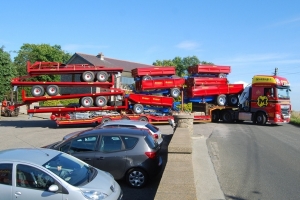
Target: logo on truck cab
point(262, 101)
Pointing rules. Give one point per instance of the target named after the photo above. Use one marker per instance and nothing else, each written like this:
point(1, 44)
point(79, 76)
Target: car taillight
point(155, 136)
point(151, 155)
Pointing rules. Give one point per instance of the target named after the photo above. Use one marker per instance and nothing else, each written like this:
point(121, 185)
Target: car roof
point(115, 130)
point(126, 122)
point(34, 155)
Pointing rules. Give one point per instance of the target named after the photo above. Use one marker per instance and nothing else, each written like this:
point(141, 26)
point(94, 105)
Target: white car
point(37, 173)
point(157, 135)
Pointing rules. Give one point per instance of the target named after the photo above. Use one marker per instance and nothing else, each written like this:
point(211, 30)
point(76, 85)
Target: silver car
point(37, 173)
point(137, 124)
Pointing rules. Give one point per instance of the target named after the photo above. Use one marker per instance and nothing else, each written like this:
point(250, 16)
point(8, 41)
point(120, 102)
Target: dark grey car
point(128, 153)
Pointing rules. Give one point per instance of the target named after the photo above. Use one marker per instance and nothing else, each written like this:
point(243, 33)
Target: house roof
point(109, 62)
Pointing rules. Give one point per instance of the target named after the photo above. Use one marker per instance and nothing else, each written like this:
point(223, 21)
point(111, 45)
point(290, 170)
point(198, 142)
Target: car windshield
point(154, 129)
point(70, 169)
point(283, 92)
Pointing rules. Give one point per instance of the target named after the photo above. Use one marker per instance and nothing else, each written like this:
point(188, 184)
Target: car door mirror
point(53, 188)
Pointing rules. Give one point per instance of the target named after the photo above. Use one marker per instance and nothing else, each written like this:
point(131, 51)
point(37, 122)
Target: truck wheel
point(144, 119)
point(87, 101)
point(100, 101)
point(215, 116)
point(233, 100)
point(261, 118)
point(226, 116)
point(147, 77)
point(221, 100)
point(102, 76)
point(52, 90)
point(175, 92)
point(138, 108)
point(88, 76)
point(37, 91)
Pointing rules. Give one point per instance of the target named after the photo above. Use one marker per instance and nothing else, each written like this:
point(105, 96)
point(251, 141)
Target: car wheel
point(37, 91)
point(136, 178)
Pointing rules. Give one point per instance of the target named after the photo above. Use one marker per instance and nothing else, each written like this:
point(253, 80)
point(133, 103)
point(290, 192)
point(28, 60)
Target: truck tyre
point(88, 76)
point(233, 100)
point(175, 92)
point(144, 119)
point(147, 77)
point(138, 108)
point(226, 116)
point(37, 91)
point(261, 118)
point(87, 102)
point(215, 116)
point(52, 90)
point(102, 76)
point(100, 101)
point(221, 100)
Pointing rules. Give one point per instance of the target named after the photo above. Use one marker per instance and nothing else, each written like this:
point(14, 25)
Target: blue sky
point(253, 37)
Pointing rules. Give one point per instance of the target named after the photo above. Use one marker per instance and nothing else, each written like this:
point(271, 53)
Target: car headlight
point(94, 195)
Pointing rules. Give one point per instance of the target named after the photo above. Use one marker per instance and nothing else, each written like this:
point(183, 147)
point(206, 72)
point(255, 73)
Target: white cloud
point(187, 45)
point(76, 47)
point(241, 82)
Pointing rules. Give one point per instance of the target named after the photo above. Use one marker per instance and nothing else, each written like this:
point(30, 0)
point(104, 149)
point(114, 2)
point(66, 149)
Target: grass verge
point(295, 118)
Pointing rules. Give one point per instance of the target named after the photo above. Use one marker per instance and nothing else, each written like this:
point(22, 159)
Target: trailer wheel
point(86, 101)
point(102, 76)
point(261, 118)
point(105, 119)
point(37, 91)
point(233, 100)
point(52, 90)
point(175, 92)
point(138, 108)
point(147, 77)
point(125, 118)
point(226, 116)
point(221, 100)
point(222, 75)
point(88, 76)
point(100, 101)
point(215, 116)
point(144, 119)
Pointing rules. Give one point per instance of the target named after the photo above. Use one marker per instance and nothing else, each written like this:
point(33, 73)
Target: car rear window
point(152, 128)
point(129, 142)
point(151, 142)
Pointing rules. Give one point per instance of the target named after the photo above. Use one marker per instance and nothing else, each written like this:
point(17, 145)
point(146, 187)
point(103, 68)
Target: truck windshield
point(283, 92)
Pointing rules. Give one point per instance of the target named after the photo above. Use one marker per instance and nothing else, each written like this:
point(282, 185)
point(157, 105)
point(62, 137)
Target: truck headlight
point(94, 194)
point(278, 116)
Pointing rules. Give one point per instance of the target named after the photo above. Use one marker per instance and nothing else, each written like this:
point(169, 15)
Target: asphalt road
point(256, 162)
point(39, 131)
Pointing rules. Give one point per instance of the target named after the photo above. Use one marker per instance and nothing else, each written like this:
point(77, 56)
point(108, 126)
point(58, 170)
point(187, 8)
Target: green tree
point(181, 64)
point(7, 72)
point(39, 52)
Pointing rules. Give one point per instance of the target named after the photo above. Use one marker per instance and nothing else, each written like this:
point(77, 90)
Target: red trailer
point(199, 91)
point(197, 81)
point(174, 85)
point(209, 69)
point(147, 73)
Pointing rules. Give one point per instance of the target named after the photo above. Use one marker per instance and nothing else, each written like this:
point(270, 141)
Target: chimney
point(101, 56)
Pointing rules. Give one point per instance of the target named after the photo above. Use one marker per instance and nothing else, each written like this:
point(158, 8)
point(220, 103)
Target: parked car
point(129, 124)
point(37, 173)
point(129, 153)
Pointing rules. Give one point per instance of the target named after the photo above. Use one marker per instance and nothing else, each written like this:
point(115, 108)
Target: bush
point(62, 102)
point(295, 118)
